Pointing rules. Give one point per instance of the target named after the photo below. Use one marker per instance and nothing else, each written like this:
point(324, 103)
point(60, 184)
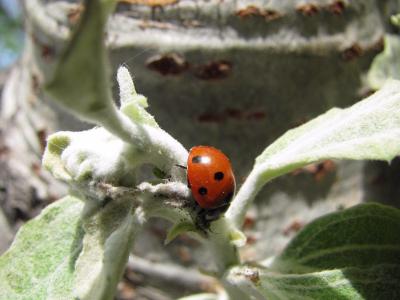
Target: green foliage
point(56, 144)
point(133, 105)
point(177, 229)
point(95, 154)
point(380, 282)
point(370, 129)
point(41, 261)
point(81, 84)
point(367, 130)
point(90, 97)
point(351, 254)
point(70, 250)
point(109, 233)
point(362, 236)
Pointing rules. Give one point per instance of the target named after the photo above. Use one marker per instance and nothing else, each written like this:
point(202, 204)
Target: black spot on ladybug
point(196, 159)
point(219, 176)
point(202, 191)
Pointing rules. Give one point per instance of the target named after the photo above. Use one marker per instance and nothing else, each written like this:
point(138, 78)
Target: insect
point(211, 179)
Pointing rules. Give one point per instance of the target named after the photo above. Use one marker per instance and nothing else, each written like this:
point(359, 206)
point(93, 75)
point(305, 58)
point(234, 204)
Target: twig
point(173, 274)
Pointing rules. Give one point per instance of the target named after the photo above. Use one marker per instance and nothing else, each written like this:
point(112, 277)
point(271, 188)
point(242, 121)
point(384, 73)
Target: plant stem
point(250, 188)
point(164, 150)
point(172, 274)
point(224, 252)
point(243, 199)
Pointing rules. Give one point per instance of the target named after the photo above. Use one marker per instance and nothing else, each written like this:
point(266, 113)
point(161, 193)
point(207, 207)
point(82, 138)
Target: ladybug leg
point(201, 220)
point(215, 213)
point(204, 217)
point(199, 217)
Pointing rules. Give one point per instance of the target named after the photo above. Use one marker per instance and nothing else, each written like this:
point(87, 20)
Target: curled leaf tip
point(177, 229)
point(395, 19)
point(57, 143)
point(133, 105)
point(126, 87)
point(238, 238)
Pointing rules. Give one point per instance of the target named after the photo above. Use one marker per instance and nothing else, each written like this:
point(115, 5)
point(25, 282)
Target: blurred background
point(11, 46)
point(232, 74)
point(11, 33)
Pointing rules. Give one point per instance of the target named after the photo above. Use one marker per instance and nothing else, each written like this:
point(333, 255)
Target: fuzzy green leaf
point(51, 160)
point(386, 65)
point(70, 251)
point(94, 154)
point(352, 254)
point(133, 105)
point(40, 263)
point(177, 229)
point(109, 233)
point(380, 282)
point(363, 236)
point(81, 83)
point(81, 79)
point(370, 129)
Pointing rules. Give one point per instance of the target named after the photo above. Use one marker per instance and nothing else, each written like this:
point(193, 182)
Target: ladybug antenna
point(182, 167)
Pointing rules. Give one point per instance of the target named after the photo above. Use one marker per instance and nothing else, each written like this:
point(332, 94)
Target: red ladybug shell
point(210, 177)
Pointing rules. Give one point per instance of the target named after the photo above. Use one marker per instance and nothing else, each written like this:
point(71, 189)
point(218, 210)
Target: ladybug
point(211, 180)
